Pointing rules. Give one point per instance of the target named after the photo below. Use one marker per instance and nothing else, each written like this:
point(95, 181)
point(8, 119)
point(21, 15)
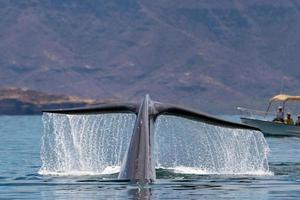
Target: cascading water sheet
point(96, 144)
point(84, 144)
point(188, 146)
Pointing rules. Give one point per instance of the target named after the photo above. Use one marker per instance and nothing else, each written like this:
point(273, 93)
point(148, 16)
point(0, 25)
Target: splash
point(189, 146)
point(96, 145)
point(84, 144)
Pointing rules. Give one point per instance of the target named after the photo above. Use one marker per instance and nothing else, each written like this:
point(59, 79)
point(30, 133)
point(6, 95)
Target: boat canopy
point(284, 98)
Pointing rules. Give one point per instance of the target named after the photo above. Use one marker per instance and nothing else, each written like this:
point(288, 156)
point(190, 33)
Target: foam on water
point(78, 145)
point(199, 171)
point(107, 170)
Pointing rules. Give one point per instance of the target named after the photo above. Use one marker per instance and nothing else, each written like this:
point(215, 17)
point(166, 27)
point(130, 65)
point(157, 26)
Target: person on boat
point(279, 115)
point(289, 120)
point(298, 121)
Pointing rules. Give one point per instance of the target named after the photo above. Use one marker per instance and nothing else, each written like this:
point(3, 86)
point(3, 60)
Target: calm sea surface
point(20, 142)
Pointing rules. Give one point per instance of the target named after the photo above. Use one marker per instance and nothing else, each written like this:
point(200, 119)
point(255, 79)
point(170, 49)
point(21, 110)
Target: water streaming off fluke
point(96, 144)
point(84, 144)
point(189, 146)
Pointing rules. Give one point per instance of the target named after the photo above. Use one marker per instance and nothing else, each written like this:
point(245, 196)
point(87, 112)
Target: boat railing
point(255, 114)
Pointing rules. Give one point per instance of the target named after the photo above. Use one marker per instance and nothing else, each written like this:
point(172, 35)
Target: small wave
point(111, 170)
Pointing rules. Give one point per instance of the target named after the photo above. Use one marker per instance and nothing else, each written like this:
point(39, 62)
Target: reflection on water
point(96, 190)
point(142, 193)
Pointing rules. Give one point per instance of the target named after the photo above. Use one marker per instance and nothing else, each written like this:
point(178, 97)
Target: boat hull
point(269, 128)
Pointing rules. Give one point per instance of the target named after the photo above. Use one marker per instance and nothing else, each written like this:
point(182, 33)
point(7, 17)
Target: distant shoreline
point(17, 101)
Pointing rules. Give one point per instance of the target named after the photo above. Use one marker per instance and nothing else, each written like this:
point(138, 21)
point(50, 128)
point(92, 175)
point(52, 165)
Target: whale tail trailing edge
point(157, 109)
point(138, 164)
point(130, 107)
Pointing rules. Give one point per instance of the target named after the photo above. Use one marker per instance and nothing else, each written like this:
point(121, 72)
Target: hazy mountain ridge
point(211, 55)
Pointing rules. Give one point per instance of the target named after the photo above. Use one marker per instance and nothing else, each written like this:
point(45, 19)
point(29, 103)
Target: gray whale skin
point(138, 165)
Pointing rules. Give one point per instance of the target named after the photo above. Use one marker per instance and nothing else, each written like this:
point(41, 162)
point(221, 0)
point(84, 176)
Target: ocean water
point(22, 160)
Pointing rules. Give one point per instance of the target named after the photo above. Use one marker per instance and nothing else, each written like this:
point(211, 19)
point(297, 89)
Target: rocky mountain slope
point(211, 55)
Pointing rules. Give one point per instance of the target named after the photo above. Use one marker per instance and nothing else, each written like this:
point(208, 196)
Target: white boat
point(260, 119)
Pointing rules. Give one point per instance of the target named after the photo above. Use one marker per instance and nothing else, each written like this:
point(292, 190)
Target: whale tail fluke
point(138, 164)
